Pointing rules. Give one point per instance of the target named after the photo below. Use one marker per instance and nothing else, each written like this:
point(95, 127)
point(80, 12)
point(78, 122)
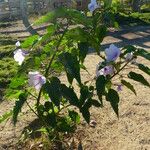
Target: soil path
point(130, 132)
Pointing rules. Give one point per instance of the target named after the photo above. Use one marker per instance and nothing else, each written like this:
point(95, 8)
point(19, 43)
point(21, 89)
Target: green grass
point(8, 70)
point(8, 67)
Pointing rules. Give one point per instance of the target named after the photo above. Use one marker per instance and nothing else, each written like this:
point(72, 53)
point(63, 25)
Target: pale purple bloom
point(107, 70)
point(112, 53)
point(93, 5)
point(36, 80)
point(18, 44)
point(19, 56)
point(119, 88)
point(129, 56)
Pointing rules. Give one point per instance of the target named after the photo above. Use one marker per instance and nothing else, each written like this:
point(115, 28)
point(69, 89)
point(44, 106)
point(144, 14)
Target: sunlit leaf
point(17, 82)
point(129, 86)
point(83, 50)
point(100, 87)
point(113, 98)
point(95, 103)
point(6, 116)
point(75, 117)
point(71, 65)
point(53, 88)
point(18, 106)
point(144, 68)
point(143, 53)
point(70, 95)
point(30, 41)
point(139, 78)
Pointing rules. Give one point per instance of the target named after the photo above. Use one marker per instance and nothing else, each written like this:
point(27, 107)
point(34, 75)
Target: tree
point(24, 14)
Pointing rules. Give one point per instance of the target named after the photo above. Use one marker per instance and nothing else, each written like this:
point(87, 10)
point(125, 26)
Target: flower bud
point(129, 56)
point(18, 44)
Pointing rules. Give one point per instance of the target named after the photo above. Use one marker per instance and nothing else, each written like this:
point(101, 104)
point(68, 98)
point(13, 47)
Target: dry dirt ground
point(130, 132)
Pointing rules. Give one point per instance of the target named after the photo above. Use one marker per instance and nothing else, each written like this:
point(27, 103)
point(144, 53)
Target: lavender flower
point(36, 80)
point(112, 53)
point(93, 5)
point(107, 70)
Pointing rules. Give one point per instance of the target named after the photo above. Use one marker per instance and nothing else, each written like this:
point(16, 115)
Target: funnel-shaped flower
point(107, 70)
point(112, 53)
point(19, 56)
point(36, 79)
point(93, 5)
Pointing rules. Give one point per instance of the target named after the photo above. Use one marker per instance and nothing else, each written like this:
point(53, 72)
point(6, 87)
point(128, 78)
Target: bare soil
point(130, 132)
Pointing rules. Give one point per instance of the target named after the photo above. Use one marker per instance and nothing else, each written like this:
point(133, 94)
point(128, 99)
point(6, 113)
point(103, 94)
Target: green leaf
point(128, 49)
point(5, 116)
point(17, 82)
point(50, 32)
point(64, 124)
point(77, 34)
point(85, 110)
point(48, 105)
point(52, 16)
point(74, 15)
point(100, 87)
point(129, 86)
point(143, 53)
point(70, 78)
point(12, 93)
point(18, 106)
point(75, 117)
point(78, 17)
point(53, 88)
point(83, 50)
point(101, 32)
point(95, 103)
point(113, 98)
point(144, 68)
point(31, 63)
point(107, 3)
point(29, 42)
point(86, 115)
point(84, 95)
point(51, 119)
point(70, 95)
point(51, 29)
point(71, 65)
point(139, 78)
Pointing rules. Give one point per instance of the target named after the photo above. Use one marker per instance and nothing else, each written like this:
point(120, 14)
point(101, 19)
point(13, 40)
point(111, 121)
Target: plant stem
point(32, 109)
point(32, 95)
point(121, 69)
point(49, 65)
